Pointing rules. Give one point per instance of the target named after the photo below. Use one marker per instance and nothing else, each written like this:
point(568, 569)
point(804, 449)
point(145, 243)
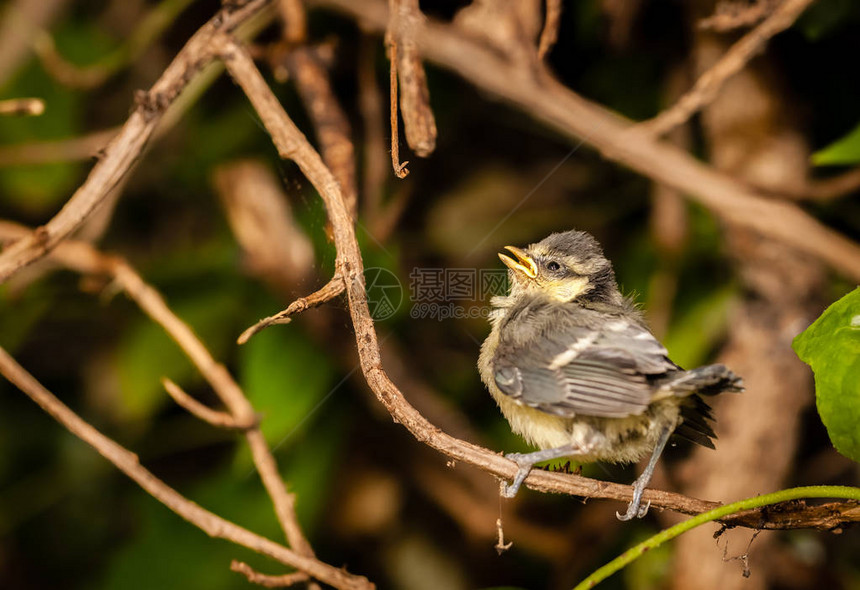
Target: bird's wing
point(581, 371)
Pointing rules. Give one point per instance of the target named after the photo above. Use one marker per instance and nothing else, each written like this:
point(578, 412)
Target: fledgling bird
point(576, 371)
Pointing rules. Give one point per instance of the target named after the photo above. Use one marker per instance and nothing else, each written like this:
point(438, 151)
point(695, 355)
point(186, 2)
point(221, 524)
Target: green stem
point(634, 553)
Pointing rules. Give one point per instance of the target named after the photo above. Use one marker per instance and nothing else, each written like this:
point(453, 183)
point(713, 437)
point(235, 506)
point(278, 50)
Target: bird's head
point(564, 266)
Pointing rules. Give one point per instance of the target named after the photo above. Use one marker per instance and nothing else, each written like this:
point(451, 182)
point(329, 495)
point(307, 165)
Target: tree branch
point(127, 462)
point(736, 58)
point(292, 144)
point(84, 258)
point(539, 94)
point(266, 580)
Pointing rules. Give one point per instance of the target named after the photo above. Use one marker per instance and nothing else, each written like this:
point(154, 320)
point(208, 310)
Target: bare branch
point(418, 120)
point(547, 100)
point(400, 170)
point(292, 144)
point(295, 21)
point(27, 107)
point(730, 15)
point(549, 34)
point(825, 189)
point(72, 149)
point(127, 462)
point(265, 580)
point(330, 121)
point(86, 259)
point(735, 59)
point(208, 415)
point(326, 293)
point(276, 248)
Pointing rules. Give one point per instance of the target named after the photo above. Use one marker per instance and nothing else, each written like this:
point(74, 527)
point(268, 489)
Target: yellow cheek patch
point(569, 289)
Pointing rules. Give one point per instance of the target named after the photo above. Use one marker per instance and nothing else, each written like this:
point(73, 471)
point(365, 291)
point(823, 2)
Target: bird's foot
point(525, 466)
point(525, 462)
point(634, 510)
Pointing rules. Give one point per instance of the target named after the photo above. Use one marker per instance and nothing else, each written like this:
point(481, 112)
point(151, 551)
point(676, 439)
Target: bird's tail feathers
point(708, 380)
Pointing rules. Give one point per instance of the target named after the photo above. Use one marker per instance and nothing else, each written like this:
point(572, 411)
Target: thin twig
point(295, 21)
point(208, 415)
point(549, 33)
point(82, 147)
point(127, 462)
point(736, 58)
point(825, 189)
point(265, 580)
point(330, 122)
point(292, 144)
point(151, 302)
point(731, 15)
point(326, 293)
point(418, 120)
point(27, 107)
point(400, 170)
point(547, 100)
point(84, 258)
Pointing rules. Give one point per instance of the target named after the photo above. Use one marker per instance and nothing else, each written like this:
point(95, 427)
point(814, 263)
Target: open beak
point(521, 263)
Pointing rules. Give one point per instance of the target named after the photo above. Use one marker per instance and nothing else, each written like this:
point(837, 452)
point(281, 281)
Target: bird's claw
point(634, 510)
point(510, 490)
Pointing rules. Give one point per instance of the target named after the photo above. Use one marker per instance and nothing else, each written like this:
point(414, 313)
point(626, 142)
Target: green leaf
point(831, 346)
point(843, 151)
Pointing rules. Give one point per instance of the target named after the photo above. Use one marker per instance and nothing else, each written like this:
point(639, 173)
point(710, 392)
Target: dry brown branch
point(292, 144)
point(127, 462)
point(330, 121)
point(326, 293)
point(400, 169)
point(418, 120)
point(28, 107)
point(734, 60)
point(276, 248)
point(228, 391)
point(86, 259)
point(208, 415)
point(549, 34)
point(730, 15)
point(295, 21)
point(127, 146)
point(267, 581)
point(825, 189)
point(72, 149)
point(547, 100)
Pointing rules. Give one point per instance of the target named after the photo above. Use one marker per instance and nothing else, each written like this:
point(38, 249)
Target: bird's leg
point(527, 460)
point(634, 509)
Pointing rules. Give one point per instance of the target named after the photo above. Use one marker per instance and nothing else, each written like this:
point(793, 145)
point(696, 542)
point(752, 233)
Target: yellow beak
point(523, 262)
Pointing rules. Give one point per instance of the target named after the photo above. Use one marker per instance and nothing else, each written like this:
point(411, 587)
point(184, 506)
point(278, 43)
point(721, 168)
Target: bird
point(576, 371)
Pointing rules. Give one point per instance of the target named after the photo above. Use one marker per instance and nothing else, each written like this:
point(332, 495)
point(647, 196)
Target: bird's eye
point(553, 266)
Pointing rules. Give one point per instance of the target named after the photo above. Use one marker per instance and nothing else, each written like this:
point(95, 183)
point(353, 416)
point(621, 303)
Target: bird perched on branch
point(576, 371)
